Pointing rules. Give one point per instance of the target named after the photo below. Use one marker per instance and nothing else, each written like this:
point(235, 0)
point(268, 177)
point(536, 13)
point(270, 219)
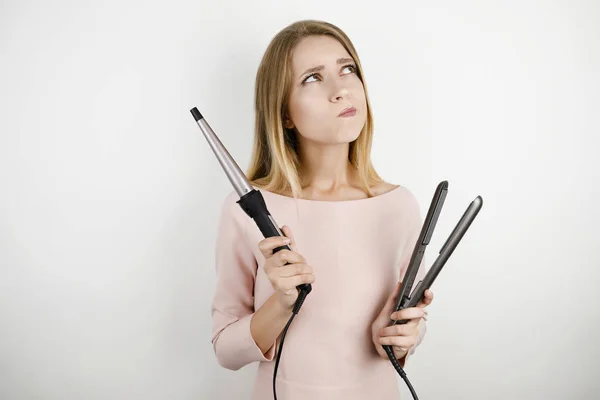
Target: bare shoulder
point(383, 188)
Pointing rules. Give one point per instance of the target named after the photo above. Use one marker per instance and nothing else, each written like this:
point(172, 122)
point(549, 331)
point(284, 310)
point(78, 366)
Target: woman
point(351, 234)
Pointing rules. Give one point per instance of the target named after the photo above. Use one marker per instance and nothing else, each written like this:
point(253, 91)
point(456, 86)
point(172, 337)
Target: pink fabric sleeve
point(233, 302)
point(415, 227)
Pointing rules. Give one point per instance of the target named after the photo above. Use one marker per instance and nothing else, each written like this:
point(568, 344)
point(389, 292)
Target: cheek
point(358, 92)
point(307, 108)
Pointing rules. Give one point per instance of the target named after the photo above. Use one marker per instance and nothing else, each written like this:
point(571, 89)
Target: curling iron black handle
point(254, 205)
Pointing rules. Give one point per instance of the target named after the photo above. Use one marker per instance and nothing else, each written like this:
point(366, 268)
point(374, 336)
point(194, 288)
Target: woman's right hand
point(284, 278)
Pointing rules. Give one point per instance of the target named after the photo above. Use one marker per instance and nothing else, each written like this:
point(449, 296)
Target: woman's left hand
point(400, 337)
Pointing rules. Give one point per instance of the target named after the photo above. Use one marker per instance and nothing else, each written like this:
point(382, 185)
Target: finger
point(286, 257)
point(408, 313)
point(426, 300)
point(295, 269)
point(404, 342)
point(399, 330)
point(287, 231)
point(267, 245)
point(296, 280)
point(282, 258)
point(399, 351)
point(391, 301)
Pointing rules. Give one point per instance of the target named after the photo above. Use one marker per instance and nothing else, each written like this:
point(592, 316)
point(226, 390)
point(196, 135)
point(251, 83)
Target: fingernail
point(286, 240)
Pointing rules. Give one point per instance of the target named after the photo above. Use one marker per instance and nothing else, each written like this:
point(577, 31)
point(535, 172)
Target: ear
point(288, 123)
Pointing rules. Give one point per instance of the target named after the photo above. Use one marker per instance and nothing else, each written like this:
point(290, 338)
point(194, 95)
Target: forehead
point(316, 50)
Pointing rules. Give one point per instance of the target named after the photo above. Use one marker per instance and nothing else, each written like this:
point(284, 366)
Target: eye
point(306, 80)
point(352, 68)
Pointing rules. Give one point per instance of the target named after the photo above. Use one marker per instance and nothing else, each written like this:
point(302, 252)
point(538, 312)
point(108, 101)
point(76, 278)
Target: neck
point(326, 169)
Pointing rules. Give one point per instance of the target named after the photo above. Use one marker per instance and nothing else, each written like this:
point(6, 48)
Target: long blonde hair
point(275, 163)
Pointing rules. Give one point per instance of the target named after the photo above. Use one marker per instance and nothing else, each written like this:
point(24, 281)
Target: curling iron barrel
point(251, 200)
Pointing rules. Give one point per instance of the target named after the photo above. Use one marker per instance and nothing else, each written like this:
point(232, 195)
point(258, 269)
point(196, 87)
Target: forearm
point(268, 322)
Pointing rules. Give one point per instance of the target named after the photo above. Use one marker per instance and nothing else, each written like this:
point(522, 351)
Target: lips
point(347, 112)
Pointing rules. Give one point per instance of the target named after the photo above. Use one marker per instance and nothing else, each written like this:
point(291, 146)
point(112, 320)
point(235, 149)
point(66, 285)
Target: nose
point(339, 93)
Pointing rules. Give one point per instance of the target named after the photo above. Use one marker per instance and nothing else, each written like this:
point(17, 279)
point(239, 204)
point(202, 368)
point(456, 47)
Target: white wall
point(110, 193)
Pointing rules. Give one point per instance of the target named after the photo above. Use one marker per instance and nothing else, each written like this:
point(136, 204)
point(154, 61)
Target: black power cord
point(390, 353)
point(388, 349)
point(299, 301)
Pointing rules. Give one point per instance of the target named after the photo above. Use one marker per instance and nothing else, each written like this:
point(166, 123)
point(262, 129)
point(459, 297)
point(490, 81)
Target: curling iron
point(253, 204)
point(406, 300)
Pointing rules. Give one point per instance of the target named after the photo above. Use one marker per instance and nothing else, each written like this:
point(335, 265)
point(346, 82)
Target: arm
point(268, 323)
point(239, 334)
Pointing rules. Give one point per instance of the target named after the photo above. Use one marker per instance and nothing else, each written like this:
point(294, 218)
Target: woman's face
point(325, 83)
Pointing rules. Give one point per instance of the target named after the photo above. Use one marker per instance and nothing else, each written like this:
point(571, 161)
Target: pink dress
point(359, 249)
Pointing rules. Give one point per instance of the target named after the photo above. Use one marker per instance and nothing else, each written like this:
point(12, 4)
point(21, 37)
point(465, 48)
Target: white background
point(110, 193)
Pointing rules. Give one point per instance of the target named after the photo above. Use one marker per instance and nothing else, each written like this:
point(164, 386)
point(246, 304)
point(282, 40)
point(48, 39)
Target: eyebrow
point(320, 67)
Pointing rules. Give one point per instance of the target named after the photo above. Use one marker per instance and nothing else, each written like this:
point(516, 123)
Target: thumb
point(391, 302)
point(287, 231)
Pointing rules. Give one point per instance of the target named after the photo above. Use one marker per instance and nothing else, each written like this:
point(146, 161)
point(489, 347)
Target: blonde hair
point(274, 165)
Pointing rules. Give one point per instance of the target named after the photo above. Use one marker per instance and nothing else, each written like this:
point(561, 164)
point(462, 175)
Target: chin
point(338, 136)
point(349, 136)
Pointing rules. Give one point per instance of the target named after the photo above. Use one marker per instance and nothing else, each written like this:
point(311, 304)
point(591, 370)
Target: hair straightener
point(408, 299)
point(253, 204)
